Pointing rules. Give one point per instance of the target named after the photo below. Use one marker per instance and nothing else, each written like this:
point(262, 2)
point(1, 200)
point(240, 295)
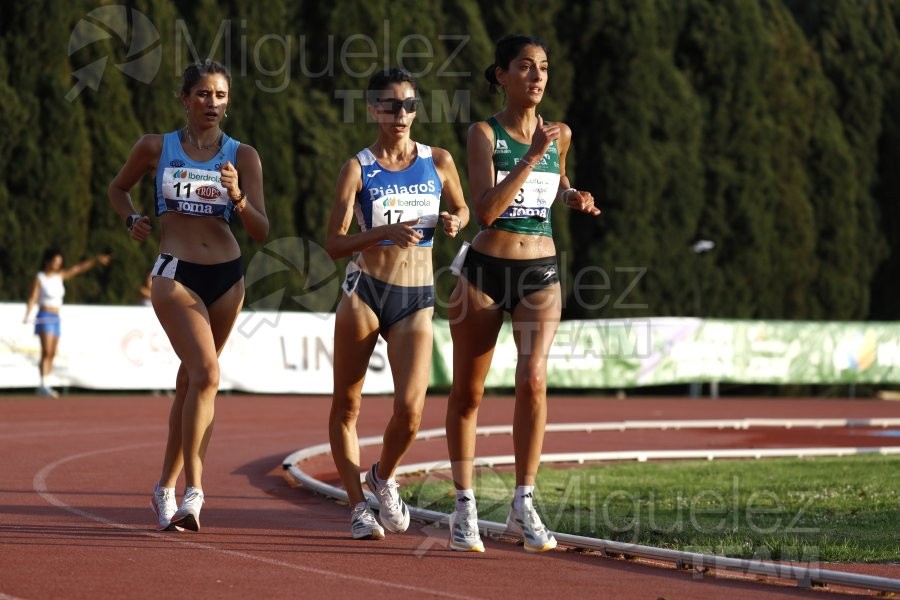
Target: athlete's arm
point(142, 159)
point(574, 199)
point(32, 299)
point(457, 214)
point(339, 242)
point(249, 181)
point(86, 265)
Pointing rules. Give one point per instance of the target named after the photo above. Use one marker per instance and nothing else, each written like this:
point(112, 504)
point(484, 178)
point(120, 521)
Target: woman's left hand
point(229, 176)
point(451, 224)
point(581, 201)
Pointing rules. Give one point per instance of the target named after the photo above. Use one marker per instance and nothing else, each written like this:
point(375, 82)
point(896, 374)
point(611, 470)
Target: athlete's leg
point(49, 343)
point(474, 325)
point(535, 321)
point(222, 315)
point(409, 353)
point(197, 335)
point(355, 335)
point(173, 460)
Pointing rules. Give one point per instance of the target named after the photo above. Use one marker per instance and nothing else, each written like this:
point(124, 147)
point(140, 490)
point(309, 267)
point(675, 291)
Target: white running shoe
point(464, 535)
point(392, 512)
point(363, 525)
point(188, 515)
point(163, 505)
point(528, 525)
point(48, 391)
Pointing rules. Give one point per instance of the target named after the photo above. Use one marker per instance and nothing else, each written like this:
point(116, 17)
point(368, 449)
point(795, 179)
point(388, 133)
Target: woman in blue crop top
point(203, 177)
point(394, 189)
point(517, 168)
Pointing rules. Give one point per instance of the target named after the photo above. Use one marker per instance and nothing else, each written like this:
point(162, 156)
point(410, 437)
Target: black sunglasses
point(410, 105)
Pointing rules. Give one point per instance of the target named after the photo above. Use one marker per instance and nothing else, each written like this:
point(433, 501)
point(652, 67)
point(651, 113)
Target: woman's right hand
point(402, 233)
point(543, 136)
point(140, 229)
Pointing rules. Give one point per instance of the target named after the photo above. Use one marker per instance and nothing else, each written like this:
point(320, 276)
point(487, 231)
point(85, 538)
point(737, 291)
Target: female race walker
point(394, 189)
point(517, 168)
point(47, 292)
point(203, 178)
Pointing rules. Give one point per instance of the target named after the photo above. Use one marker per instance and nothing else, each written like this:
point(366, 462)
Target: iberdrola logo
point(179, 174)
point(136, 33)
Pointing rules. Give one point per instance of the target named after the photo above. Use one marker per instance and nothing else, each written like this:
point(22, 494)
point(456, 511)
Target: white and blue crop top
point(193, 188)
point(52, 289)
point(389, 197)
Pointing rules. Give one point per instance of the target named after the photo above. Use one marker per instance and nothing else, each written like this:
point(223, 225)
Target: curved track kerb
point(804, 576)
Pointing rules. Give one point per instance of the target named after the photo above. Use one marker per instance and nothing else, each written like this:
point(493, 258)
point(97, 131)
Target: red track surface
point(75, 522)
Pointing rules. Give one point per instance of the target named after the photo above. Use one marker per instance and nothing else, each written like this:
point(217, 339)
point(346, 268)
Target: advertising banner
point(124, 348)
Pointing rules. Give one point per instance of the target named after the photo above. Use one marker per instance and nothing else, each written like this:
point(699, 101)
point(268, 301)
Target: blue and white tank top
point(193, 188)
point(389, 197)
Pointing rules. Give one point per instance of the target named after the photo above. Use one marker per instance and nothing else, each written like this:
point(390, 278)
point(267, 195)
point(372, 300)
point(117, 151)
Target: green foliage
point(768, 127)
point(857, 47)
point(637, 134)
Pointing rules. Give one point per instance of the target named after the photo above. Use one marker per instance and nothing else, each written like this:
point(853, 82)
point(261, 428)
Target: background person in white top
point(47, 292)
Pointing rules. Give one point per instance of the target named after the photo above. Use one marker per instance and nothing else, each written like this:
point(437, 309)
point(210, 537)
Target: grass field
point(810, 510)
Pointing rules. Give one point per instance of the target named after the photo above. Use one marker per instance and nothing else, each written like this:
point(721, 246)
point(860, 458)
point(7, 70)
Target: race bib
point(534, 198)
point(394, 208)
point(165, 266)
point(460, 259)
point(194, 192)
point(351, 278)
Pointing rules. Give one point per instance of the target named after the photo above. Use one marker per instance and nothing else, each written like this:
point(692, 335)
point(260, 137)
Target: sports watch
point(131, 220)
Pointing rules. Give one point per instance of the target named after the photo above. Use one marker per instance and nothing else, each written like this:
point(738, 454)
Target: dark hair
point(506, 50)
point(200, 69)
point(49, 253)
point(380, 81)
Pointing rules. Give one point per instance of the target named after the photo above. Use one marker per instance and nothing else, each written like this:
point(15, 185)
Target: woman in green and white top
point(517, 169)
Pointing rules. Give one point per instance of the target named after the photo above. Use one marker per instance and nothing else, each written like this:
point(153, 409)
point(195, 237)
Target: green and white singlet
point(529, 212)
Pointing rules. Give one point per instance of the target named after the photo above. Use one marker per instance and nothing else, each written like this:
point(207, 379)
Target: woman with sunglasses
point(517, 169)
point(394, 190)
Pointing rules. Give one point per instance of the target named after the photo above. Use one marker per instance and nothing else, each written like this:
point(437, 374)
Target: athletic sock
point(465, 500)
point(375, 473)
point(523, 493)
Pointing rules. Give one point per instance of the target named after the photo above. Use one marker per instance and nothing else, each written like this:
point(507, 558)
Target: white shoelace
point(470, 530)
point(390, 495)
point(533, 519)
point(361, 515)
point(193, 497)
point(165, 502)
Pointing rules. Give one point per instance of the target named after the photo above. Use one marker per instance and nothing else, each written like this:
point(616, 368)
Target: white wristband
point(566, 193)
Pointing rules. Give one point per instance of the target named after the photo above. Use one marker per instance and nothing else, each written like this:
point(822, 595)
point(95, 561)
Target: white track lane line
point(40, 486)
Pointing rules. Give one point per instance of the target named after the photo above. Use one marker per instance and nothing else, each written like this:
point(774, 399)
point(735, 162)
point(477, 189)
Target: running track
point(77, 471)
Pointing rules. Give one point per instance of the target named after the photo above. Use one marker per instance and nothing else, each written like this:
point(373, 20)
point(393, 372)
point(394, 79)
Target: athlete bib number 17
point(396, 208)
